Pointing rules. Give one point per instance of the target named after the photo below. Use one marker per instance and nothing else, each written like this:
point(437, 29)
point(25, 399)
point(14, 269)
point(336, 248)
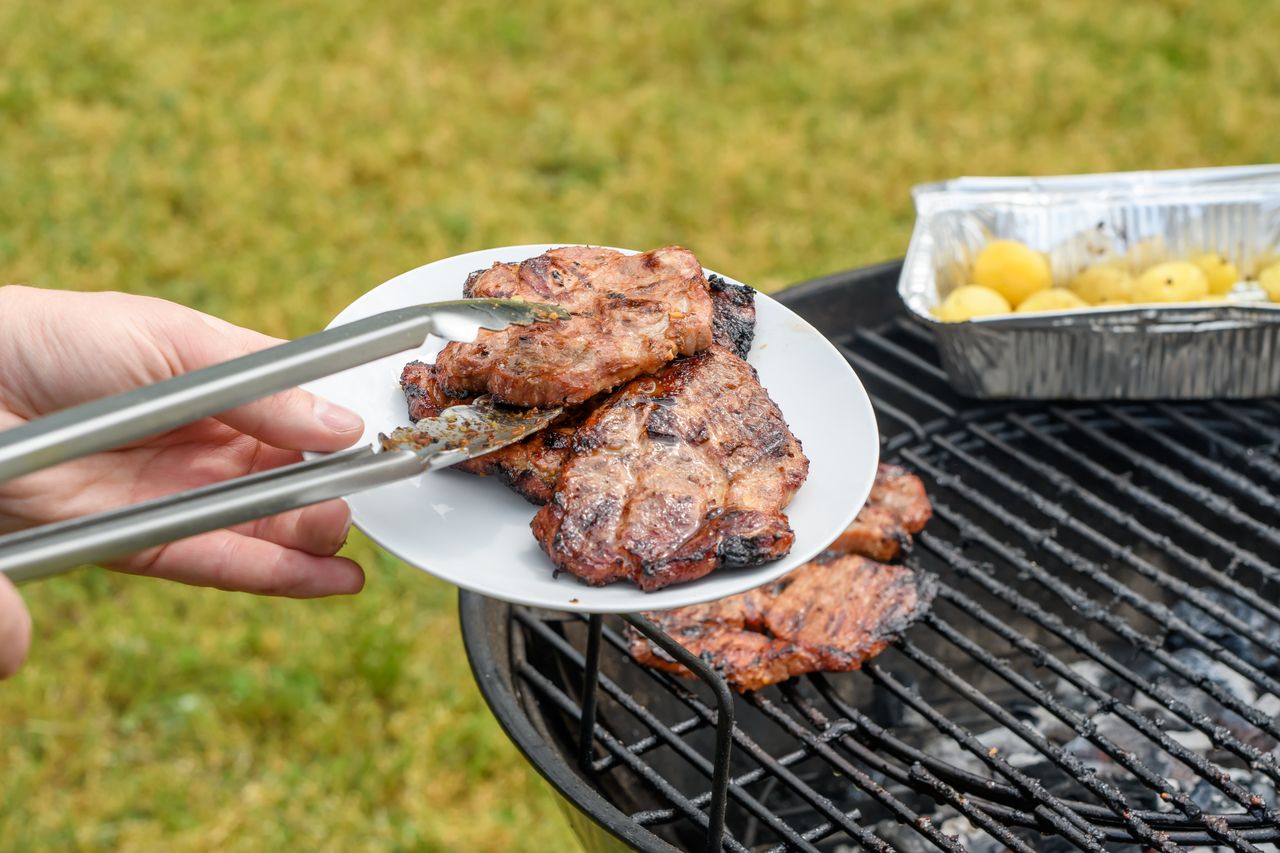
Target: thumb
point(293, 419)
point(15, 629)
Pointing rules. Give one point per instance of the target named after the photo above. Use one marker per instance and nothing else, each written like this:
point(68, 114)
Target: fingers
point(320, 529)
point(297, 420)
point(15, 629)
point(232, 561)
point(292, 419)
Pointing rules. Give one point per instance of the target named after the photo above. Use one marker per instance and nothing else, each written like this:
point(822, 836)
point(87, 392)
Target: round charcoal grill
point(1100, 669)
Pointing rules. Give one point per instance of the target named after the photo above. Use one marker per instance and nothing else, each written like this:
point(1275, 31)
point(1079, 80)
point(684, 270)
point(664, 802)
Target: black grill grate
point(1101, 667)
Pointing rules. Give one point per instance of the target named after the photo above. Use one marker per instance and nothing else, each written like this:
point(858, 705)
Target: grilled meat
point(532, 466)
point(676, 475)
point(733, 315)
point(630, 315)
point(829, 615)
point(423, 393)
point(897, 508)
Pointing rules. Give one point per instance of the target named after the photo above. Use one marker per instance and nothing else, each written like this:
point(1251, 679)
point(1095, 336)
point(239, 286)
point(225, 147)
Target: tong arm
point(55, 548)
point(153, 409)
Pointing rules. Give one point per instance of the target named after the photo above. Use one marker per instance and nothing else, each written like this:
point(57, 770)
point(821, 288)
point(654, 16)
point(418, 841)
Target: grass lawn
point(268, 162)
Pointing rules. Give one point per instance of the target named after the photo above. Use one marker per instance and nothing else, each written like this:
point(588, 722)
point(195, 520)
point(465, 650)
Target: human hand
point(60, 349)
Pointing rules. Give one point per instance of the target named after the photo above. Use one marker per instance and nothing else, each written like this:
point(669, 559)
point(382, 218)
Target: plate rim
point(762, 571)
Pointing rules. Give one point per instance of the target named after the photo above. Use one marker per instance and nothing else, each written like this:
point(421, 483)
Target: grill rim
point(869, 295)
point(486, 622)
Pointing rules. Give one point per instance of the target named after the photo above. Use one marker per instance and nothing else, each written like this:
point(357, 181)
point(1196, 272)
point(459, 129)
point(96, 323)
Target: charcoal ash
point(1233, 683)
point(1149, 753)
point(906, 839)
point(971, 838)
point(1226, 636)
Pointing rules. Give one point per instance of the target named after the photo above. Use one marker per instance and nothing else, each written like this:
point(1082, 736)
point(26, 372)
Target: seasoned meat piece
point(897, 508)
point(733, 315)
point(676, 475)
point(423, 393)
point(829, 615)
point(531, 467)
point(630, 315)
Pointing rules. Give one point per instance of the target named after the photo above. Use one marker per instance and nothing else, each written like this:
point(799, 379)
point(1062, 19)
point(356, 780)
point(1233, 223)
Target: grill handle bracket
point(700, 668)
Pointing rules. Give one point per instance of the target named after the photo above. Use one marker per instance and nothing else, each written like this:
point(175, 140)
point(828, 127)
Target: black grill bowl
point(1101, 669)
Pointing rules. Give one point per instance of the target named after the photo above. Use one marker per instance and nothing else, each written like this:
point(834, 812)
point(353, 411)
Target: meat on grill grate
point(897, 509)
point(829, 615)
point(630, 314)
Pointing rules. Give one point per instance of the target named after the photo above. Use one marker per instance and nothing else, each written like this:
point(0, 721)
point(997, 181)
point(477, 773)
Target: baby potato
point(965, 303)
point(1051, 299)
point(1100, 284)
point(1269, 278)
point(1173, 281)
point(1221, 273)
point(1011, 269)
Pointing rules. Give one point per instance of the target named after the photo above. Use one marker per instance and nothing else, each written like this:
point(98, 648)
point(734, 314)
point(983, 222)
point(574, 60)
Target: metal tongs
point(458, 433)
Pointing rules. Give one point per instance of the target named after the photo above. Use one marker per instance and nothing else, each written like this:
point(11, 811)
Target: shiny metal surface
point(1134, 220)
point(113, 421)
point(459, 432)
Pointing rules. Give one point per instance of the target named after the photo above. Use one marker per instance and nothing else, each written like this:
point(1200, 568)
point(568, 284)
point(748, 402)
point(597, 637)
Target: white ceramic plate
point(474, 532)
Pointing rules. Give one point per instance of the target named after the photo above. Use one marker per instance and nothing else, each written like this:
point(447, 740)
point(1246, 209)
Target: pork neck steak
point(674, 476)
point(830, 615)
point(629, 315)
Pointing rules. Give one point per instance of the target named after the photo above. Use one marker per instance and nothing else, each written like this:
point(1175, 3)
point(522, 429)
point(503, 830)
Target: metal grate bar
point(1108, 704)
point(1199, 461)
point(1232, 448)
point(1108, 793)
point(913, 329)
point(1052, 811)
point(903, 354)
point(821, 744)
point(648, 744)
point(1109, 510)
point(590, 675)
point(656, 816)
point(1085, 727)
point(873, 369)
point(861, 727)
point(1114, 549)
point(1251, 424)
point(1220, 735)
point(678, 744)
point(840, 732)
point(797, 785)
point(549, 690)
point(723, 718)
point(883, 408)
point(1145, 497)
point(1099, 575)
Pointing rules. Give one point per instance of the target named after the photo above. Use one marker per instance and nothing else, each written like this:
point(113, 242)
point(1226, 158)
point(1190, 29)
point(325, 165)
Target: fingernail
point(337, 418)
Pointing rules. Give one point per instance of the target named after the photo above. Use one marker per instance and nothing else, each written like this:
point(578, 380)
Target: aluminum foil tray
point(1206, 350)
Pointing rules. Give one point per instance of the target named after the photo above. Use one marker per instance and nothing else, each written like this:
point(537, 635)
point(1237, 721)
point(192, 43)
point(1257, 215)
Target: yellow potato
point(965, 303)
point(1101, 284)
point(1111, 303)
point(1174, 281)
point(1269, 278)
point(1011, 269)
point(1221, 273)
point(1052, 299)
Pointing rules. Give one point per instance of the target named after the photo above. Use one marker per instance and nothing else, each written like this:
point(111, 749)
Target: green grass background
point(268, 162)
